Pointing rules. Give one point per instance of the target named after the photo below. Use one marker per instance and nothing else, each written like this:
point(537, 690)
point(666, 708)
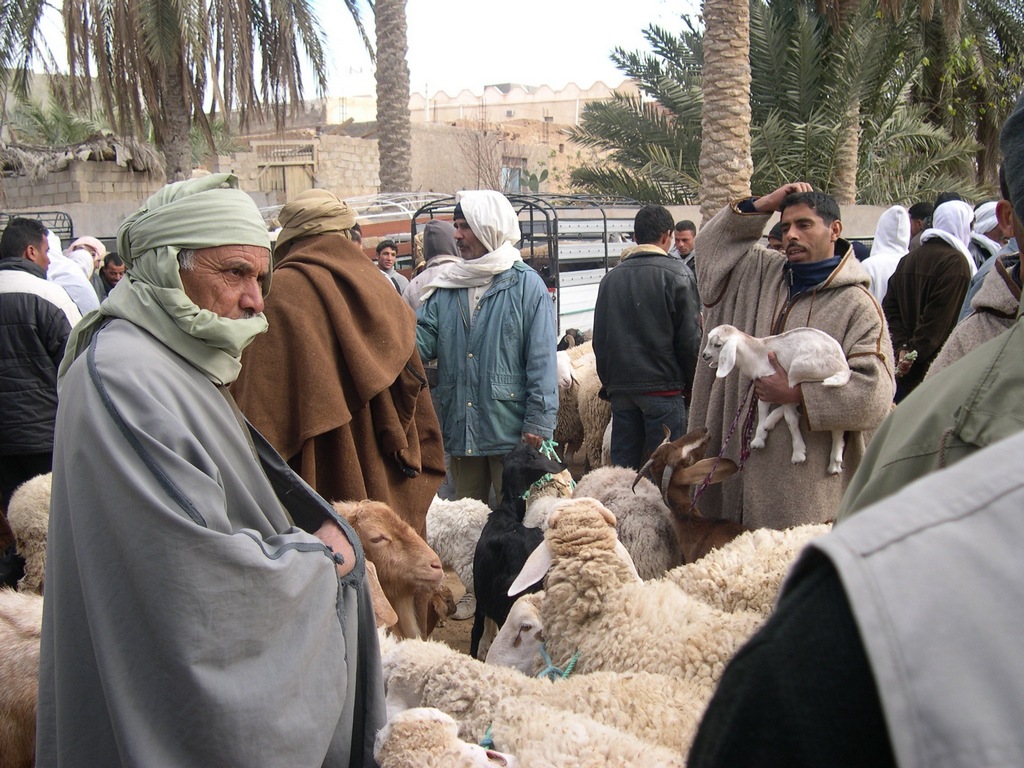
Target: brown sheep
point(409, 572)
point(21, 619)
point(676, 467)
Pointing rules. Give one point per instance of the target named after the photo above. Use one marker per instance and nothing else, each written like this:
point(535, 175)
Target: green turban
point(200, 213)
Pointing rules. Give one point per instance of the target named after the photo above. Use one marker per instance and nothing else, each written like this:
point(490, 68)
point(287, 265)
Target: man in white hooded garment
point(203, 605)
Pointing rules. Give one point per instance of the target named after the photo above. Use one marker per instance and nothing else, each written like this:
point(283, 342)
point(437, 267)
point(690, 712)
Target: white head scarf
point(951, 223)
point(494, 223)
point(985, 219)
point(892, 233)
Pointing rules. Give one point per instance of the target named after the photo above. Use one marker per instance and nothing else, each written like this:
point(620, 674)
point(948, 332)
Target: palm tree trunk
point(725, 164)
point(172, 137)
point(847, 159)
point(394, 130)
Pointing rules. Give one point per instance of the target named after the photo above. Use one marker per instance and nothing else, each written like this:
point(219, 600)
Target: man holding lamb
point(816, 282)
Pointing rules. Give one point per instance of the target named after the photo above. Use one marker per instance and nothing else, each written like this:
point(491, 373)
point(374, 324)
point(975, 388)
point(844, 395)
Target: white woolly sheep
point(409, 572)
point(582, 415)
point(593, 606)
point(518, 642)
point(28, 514)
point(745, 574)
point(428, 738)
point(642, 518)
point(453, 529)
point(21, 619)
point(544, 738)
point(651, 707)
point(806, 354)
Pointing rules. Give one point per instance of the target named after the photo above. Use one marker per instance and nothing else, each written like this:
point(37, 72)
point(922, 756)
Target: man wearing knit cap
point(203, 605)
point(895, 638)
point(490, 323)
point(348, 408)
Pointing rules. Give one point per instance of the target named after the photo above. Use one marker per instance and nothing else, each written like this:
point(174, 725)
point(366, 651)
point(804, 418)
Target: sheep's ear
point(383, 611)
point(696, 473)
point(534, 569)
point(727, 358)
point(622, 552)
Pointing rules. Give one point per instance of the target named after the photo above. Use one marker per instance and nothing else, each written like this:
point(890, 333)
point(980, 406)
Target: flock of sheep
point(643, 604)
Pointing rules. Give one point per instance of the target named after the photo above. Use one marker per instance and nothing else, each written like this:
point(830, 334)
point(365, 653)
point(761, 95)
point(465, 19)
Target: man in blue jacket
point(490, 324)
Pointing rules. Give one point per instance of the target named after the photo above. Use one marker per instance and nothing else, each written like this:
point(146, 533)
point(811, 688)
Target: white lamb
point(594, 607)
point(807, 355)
point(651, 707)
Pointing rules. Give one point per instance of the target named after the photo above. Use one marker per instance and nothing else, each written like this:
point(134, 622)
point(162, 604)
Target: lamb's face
point(716, 340)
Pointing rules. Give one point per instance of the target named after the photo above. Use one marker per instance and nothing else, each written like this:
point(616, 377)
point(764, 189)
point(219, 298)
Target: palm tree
point(800, 107)
point(392, 77)
point(725, 162)
point(154, 61)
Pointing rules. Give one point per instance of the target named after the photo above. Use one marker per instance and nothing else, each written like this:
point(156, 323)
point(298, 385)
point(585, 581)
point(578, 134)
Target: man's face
point(39, 253)
point(916, 227)
point(386, 258)
point(805, 235)
point(228, 280)
point(112, 273)
point(684, 242)
point(774, 243)
point(469, 247)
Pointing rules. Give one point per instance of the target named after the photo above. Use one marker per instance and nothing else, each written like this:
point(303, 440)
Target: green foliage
point(53, 125)
point(809, 82)
point(532, 181)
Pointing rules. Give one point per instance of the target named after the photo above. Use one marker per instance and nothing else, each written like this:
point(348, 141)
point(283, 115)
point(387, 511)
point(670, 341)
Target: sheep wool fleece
point(190, 619)
point(743, 283)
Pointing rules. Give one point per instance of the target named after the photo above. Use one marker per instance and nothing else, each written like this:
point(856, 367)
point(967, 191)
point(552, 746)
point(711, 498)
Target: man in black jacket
point(36, 317)
point(647, 339)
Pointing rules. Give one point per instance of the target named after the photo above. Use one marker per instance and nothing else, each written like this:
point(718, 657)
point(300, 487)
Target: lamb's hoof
point(465, 608)
point(835, 468)
point(757, 442)
point(799, 458)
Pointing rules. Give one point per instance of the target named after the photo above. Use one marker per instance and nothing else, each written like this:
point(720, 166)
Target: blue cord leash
point(551, 672)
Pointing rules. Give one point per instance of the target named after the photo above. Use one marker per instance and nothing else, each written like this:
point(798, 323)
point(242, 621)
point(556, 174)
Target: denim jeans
point(637, 425)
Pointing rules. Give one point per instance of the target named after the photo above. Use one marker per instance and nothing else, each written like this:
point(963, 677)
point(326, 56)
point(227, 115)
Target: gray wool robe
point(189, 619)
point(742, 283)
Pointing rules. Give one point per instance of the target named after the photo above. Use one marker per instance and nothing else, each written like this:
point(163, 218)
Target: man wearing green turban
point(203, 605)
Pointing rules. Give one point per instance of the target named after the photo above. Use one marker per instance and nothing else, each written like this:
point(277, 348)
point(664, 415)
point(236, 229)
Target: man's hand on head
point(775, 388)
point(771, 202)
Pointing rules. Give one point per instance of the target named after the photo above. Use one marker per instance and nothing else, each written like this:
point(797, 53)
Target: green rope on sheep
point(551, 672)
point(488, 740)
point(548, 448)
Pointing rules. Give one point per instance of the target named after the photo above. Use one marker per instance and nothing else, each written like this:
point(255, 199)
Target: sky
point(457, 44)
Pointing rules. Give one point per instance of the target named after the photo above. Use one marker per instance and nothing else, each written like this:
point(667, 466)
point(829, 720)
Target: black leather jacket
point(646, 325)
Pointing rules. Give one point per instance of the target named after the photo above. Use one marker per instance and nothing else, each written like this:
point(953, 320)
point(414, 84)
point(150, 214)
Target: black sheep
point(505, 543)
